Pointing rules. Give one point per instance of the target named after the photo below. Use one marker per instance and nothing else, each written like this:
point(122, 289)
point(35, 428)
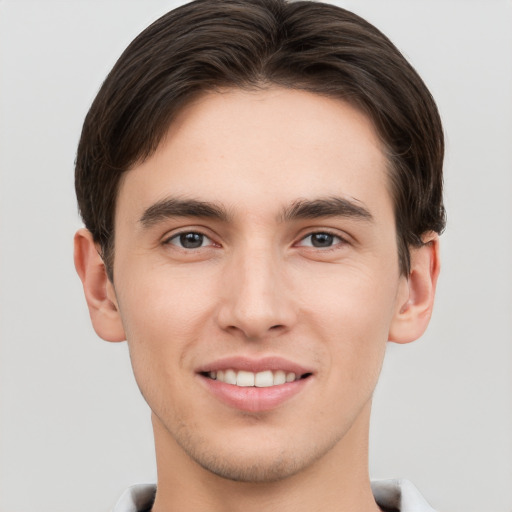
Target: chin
point(253, 469)
point(254, 460)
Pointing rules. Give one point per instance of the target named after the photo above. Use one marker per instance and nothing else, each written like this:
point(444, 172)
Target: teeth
point(264, 379)
point(230, 377)
point(280, 377)
point(243, 378)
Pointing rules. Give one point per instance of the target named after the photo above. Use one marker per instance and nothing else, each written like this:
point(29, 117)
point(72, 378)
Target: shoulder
point(399, 495)
point(137, 498)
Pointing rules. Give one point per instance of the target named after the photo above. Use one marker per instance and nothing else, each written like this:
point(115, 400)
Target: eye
point(190, 240)
point(320, 240)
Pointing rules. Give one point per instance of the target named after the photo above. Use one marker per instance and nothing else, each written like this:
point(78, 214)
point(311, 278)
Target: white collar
point(399, 495)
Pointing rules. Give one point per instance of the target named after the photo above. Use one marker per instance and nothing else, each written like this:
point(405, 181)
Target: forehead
point(265, 148)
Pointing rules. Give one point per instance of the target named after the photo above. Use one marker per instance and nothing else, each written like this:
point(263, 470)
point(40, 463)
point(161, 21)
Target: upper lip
point(254, 365)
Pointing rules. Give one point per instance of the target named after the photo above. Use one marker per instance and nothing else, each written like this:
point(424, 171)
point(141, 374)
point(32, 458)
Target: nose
point(256, 300)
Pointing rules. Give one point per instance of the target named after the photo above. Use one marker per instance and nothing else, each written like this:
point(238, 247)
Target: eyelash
point(334, 245)
point(178, 237)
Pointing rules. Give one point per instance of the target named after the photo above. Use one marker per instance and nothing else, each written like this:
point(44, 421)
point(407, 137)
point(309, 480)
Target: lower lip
point(253, 399)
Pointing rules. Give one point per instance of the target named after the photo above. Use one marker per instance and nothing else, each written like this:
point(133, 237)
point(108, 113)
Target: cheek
point(165, 304)
point(164, 316)
point(352, 312)
point(355, 300)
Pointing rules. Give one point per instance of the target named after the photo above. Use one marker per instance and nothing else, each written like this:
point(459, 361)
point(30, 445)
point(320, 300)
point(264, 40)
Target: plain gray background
point(74, 429)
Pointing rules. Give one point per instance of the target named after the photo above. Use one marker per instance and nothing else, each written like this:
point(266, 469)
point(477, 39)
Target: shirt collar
point(400, 495)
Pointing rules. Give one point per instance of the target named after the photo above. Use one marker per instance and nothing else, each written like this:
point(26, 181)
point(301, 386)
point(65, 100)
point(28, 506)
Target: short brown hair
point(312, 46)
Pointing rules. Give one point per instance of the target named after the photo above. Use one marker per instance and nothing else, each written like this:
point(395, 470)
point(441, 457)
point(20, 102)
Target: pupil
point(322, 240)
point(191, 240)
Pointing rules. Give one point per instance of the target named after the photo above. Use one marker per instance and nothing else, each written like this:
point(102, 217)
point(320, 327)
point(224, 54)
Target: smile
point(263, 379)
point(255, 385)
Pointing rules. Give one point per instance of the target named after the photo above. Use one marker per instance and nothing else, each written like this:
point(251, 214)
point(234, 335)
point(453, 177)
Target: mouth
point(262, 379)
point(254, 385)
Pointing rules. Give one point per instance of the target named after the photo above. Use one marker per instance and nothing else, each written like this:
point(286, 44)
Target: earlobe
point(99, 291)
point(414, 307)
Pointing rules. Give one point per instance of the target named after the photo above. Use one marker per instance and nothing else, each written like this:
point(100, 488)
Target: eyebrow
point(175, 207)
point(326, 207)
point(300, 209)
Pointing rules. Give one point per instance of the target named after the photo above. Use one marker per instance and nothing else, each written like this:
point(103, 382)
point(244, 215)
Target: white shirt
point(398, 495)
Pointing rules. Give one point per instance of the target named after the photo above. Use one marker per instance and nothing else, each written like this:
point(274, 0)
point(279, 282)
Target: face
point(256, 275)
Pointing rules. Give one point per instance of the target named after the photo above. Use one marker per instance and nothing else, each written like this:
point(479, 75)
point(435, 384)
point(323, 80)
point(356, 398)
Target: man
point(261, 185)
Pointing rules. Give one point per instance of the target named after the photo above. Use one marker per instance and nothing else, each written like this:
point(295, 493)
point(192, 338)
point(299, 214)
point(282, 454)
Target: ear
point(416, 298)
point(99, 290)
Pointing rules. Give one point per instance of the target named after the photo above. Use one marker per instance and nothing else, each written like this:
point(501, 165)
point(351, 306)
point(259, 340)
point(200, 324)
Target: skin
point(258, 286)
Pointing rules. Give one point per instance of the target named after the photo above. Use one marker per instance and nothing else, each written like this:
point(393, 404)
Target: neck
point(337, 482)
